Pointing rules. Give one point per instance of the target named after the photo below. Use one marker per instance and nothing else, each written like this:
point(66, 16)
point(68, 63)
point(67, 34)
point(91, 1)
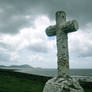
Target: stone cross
point(61, 30)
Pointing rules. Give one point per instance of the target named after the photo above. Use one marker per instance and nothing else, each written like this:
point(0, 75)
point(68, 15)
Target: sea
point(53, 72)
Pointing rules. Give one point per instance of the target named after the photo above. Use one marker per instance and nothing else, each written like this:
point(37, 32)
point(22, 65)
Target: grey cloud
point(6, 47)
point(4, 53)
point(12, 22)
point(80, 10)
point(13, 12)
point(87, 52)
point(81, 49)
point(3, 45)
point(38, 47)
point(4, 57)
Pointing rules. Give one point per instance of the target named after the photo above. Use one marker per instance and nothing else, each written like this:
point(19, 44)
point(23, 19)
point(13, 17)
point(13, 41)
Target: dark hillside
point(11, 73)
point(11, 81)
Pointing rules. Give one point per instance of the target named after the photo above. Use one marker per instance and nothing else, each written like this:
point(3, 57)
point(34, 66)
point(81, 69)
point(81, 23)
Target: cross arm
point(70, 26)
point(51, 30)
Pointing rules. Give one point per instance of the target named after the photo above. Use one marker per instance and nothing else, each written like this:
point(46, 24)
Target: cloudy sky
point(22, 32)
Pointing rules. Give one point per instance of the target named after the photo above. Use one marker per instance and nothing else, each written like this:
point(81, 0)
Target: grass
point(12, 84)
point(19, 82)
point(88, 90)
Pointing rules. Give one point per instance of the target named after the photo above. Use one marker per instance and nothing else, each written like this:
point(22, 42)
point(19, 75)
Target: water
point(81, 72)
point(53, 72)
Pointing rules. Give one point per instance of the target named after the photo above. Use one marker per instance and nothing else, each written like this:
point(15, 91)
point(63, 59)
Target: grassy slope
point(11, 84)
point(20, 82)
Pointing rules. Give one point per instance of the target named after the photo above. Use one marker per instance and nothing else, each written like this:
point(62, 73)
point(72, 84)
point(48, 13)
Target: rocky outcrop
point(63, 85)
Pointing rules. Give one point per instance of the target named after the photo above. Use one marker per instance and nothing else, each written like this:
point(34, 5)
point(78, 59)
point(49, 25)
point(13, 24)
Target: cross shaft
point(61, 29)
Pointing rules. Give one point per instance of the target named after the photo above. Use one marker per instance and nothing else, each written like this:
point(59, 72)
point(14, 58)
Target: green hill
point(11, 81)
point(19, 82)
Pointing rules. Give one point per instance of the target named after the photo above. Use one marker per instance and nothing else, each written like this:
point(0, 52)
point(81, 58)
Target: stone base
point(62, 85)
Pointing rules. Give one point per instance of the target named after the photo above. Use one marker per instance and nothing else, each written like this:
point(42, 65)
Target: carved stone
point(63, 82)
point(63, 85)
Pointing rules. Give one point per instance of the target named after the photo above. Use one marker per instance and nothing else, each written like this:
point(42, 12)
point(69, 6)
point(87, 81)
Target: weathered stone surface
point(70, 26)
point(60, 30)
point(63, 85)
point(51, 31)
point(67, 27)
point(84, 78)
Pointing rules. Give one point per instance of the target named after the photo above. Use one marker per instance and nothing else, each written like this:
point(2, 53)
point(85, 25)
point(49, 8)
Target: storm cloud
point(22, 30)
point(17, 14)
